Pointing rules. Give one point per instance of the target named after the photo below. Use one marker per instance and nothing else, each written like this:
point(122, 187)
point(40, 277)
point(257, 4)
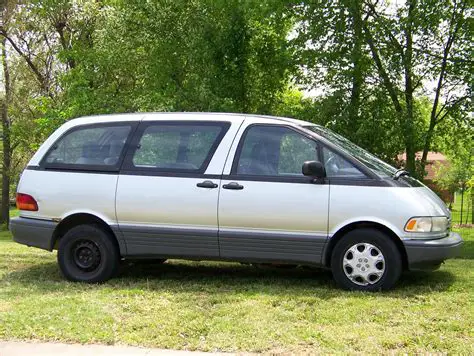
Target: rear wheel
point(86, 253)
point(366, 260)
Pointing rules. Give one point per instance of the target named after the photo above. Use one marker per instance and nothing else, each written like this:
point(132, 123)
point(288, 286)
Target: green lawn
point(232, 307)
point(467, 209)
point(14, 212)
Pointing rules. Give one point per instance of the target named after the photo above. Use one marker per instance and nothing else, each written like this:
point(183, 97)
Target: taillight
point(26, 202)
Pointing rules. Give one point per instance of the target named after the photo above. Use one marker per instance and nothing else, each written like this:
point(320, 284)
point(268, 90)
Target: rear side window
point(97, 146)
point(182, 146)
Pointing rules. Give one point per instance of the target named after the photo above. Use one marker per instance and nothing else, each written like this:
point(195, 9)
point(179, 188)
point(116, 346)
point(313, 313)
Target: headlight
point(440, 223)
point(427, 224)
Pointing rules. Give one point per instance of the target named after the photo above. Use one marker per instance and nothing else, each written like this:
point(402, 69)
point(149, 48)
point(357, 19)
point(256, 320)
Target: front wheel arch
point(360, 225)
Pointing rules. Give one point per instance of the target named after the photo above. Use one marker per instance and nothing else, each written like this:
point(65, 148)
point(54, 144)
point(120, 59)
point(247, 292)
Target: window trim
point(69, 167)
point(129, 168)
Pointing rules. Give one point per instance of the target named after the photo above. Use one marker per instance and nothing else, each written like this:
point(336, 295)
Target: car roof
point(182, 115)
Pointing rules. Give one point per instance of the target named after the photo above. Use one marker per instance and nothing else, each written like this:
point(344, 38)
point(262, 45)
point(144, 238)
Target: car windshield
point(372, 162)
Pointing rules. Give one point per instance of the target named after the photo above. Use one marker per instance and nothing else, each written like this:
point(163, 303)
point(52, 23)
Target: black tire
point(386, 268)
point(87, 253)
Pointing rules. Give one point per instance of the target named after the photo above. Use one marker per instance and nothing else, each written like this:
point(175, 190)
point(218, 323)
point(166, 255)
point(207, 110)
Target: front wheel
point(366, 260)
point(86, 253)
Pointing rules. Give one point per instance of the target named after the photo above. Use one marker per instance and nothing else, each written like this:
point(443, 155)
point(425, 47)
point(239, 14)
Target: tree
point(193, 56)
point(335, 61)
point(441, 52)
point(73, 58)
point(6, 125)
point(459, 174)
point(404, 49)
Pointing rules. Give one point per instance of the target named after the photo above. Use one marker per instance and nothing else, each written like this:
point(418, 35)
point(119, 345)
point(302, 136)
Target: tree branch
point(448, 107)
point(382, 72)
point(393, 39)
point(40, 77)
point(444, 63)
point(454, 27)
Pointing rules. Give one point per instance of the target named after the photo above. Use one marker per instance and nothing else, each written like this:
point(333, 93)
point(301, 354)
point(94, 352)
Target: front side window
point(89, 146)
point(275, 151)
point(338, 167)
point(182, 147)
point(368, 159)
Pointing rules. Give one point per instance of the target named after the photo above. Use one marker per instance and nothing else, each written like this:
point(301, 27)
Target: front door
point(166, 205)
point(269, 211)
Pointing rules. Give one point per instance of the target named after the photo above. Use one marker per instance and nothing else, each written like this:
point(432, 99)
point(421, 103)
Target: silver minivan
point(229, 187)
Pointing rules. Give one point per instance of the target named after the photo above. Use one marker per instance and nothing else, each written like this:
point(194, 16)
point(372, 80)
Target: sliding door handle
point(233, 186)
point(207, 184)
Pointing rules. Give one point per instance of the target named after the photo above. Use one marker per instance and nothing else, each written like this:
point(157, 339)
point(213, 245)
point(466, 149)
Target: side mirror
point(314, 169)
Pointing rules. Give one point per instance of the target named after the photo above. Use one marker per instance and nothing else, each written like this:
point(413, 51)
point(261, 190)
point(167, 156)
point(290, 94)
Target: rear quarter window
point(89, 146)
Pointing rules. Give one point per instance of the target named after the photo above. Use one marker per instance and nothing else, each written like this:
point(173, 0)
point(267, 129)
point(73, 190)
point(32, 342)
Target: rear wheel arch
point(83, 219)
point(339, 235)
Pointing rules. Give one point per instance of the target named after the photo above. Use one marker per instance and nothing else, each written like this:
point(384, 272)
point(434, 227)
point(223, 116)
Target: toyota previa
point(230, 187)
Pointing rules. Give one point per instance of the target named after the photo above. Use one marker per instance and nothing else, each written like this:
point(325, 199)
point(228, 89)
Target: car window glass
point(101, 145)
point(338, 167)
point(275, 151)
point(171, 147)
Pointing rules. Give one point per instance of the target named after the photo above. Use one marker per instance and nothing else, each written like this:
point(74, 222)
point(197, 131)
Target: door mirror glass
point(314, 169)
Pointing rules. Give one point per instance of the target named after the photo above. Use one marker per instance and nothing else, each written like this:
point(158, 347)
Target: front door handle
point(207, 184)
point(233, 185)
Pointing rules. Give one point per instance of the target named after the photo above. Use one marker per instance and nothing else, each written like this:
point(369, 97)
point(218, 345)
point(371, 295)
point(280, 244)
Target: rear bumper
point(33, 232)
point(429, 254)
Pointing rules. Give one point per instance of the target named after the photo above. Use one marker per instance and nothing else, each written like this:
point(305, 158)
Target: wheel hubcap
point(86, 255)
point(364, 264)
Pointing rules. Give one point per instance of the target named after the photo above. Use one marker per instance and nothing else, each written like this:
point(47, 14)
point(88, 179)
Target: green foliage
point(376, 62)
point(459, 173)
point(180, 56)
point(85, 57)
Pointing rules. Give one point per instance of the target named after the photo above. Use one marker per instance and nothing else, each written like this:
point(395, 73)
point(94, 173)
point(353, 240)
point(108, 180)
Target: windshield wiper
point(400, 173)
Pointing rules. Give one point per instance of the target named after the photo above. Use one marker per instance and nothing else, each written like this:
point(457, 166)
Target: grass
point(467, 209)
point(14, 212)
point(231, 307)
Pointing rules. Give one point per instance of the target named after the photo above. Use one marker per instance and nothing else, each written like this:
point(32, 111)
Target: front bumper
point(429, 254)
point(33, 232)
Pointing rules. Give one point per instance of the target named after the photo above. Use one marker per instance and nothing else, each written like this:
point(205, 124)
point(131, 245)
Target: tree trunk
point(409, 127)
point(454, 26)
point(472, 205)
point(6, 162)
point(356, 58)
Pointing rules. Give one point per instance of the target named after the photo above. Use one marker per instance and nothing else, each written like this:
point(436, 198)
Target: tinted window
point(275, 151)
point(336, 166)
point(176, 146)
point(100, 146)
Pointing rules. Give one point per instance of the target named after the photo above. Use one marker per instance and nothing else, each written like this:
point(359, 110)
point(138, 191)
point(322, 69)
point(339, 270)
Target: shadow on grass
point(189, 277)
